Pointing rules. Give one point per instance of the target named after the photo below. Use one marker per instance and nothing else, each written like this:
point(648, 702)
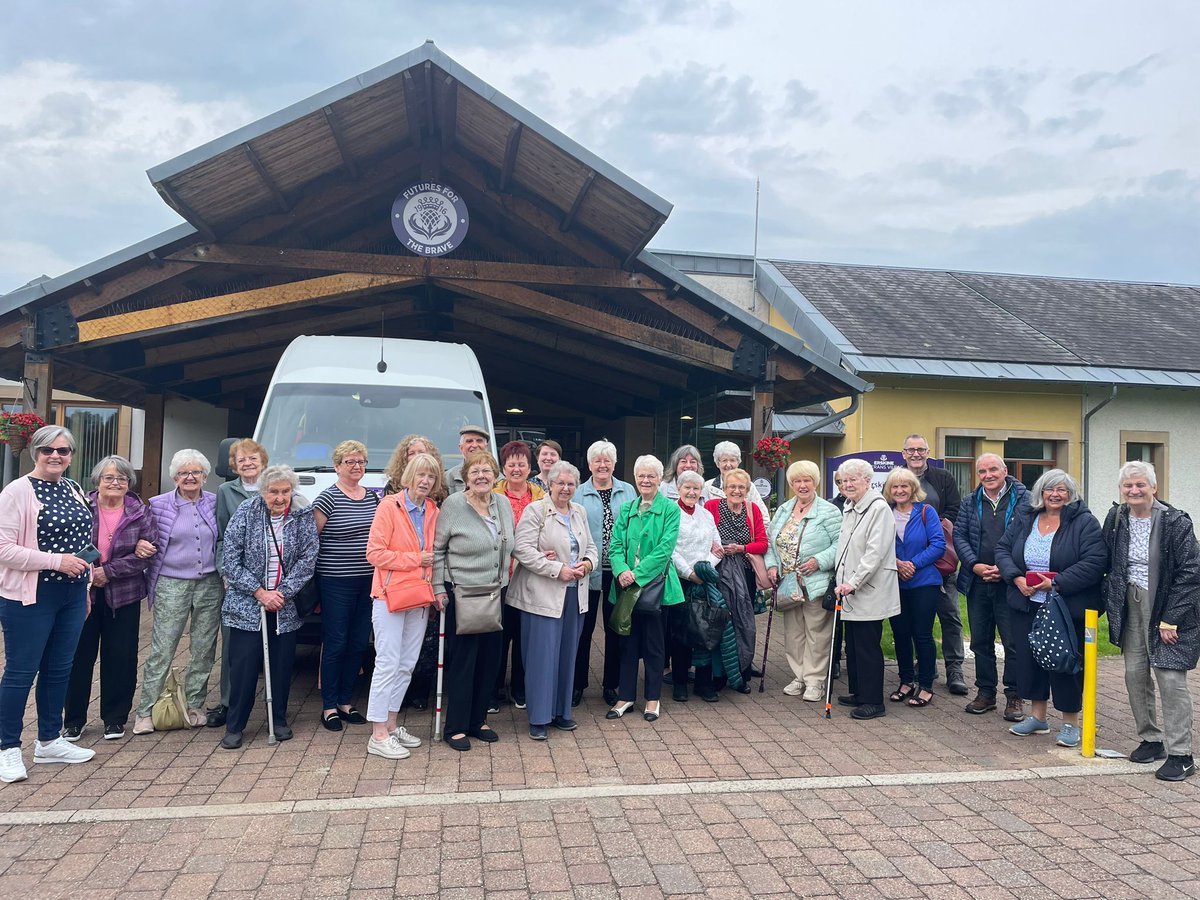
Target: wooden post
point(37, 388)
point(761, 422)
point(152, 447)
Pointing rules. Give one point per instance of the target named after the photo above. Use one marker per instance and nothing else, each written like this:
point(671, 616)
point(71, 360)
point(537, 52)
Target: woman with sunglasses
point(183, 584)
point(45, 526)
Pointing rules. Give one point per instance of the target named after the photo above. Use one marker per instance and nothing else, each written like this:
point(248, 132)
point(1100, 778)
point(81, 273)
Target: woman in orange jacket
point(401, 550)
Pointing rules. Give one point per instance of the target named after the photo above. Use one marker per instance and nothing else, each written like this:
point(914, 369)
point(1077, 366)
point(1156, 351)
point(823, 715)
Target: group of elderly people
point(523, 565)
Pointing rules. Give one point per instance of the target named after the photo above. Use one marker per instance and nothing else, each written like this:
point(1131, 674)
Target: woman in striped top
point(344, 512)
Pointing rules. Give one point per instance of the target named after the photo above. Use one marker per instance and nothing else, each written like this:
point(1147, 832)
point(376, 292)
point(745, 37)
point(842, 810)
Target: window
point(1028, 459)
point(960, 462)
point(1149, 447)
point(95, 431)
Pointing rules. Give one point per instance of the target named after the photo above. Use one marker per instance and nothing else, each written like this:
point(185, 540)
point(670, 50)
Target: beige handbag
point(170, 710)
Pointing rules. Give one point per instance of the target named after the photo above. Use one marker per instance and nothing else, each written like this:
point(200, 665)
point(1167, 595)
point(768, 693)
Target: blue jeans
point(914, 627)
point(39, 640)
point(345, 632)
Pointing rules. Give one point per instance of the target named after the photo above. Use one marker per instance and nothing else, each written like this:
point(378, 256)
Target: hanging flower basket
point(772, 453)
point(17, 428)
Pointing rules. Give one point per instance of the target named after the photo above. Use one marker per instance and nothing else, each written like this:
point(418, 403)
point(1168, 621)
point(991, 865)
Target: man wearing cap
point(470, 437)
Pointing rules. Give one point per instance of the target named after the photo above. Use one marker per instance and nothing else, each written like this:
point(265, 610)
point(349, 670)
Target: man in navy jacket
point(982, 519)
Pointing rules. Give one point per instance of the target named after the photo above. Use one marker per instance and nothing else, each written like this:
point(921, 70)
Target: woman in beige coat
point(555, 552)
point(867, 585)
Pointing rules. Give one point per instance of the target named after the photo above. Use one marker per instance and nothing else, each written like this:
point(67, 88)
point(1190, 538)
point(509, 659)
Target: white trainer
point(795, 688)
point(814, 693)
point(404, 739)
point(388, 748)
point(12, 767)
point(60, 751)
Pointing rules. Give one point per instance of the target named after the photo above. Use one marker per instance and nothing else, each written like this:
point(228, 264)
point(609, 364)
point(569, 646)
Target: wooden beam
point(335, 132)
point(591, 321)
point(650, 232)
point(412, 107)
point(706, 322)
point(152, 449)
point(265, 177)
point(237, 305)
point(448, 112)
point(416, 266)
point(569, 218)
point(615, 358)
point(37, 389)
point(235, 363)
point(512, 146)
point(168, 193)
point(761, 419)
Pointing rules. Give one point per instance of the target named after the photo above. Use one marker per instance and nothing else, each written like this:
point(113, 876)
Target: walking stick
point(437, 714)
point(267, 679)
point(767, 643)
point(837, 610)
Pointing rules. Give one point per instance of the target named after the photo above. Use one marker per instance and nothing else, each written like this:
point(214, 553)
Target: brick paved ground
point(1105, 835)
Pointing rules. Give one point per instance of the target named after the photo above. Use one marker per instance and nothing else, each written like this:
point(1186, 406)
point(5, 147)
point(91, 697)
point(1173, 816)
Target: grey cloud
point(64, 115)
point(1105, 142)
point(1002, 92)
point(1072, 123)
point(1011, 172)
point(955, 107)
point(801, 102)
point(1130, 76)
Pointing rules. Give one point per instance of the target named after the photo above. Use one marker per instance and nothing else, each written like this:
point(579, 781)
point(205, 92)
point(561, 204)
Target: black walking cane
point(767, 643)
point(837, 611)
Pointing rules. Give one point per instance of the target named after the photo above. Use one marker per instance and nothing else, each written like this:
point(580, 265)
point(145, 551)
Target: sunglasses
point(50, 451)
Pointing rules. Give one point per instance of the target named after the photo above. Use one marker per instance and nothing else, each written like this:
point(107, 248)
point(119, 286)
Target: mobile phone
point(89, 554)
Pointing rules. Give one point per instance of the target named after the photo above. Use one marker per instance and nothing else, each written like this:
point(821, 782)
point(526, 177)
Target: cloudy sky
point(1054, 138)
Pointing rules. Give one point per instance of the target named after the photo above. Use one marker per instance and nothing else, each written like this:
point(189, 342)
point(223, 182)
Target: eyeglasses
point(50, 451)
point(915, 451)
point(565, 484)
point(354, 463)
point(189, 476)
point(113, 479)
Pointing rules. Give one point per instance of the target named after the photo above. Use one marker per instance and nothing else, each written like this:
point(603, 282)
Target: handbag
point(477, 608)
point(1052, 640)
point(784, 602)
point(706, 622)
point(650, 597)
point(410, 595)
point(948, 563)
point(170, 710)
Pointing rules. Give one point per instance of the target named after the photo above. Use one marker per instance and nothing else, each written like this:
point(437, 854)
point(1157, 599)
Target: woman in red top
point(743, 535)
point(516, 461)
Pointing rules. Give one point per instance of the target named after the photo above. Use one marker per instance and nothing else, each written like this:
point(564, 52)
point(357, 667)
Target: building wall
point(1151, 415)
point(193, 425)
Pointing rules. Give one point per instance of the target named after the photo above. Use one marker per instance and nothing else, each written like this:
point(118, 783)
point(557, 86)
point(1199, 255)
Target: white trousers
point(398, 637)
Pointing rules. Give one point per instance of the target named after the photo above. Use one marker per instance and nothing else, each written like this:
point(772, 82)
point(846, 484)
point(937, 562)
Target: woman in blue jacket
point(919, 544)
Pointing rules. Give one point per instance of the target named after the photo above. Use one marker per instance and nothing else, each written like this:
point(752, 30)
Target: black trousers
point(113, 635)
point(645, 643)
point(596, 607)
point(469, 679)
point(511, 638)
point(678, 650)
point(1035, 683)
point(245, 651)
point(864, 661)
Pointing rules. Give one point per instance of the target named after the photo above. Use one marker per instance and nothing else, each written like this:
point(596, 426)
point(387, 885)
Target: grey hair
point(47, 435)
point(602, 448)
point(183, 457)
point(1135, 468)
point(680, 452)
point(653, 463)
point(915, 437)
point(995, 456)
point(727, 448)
point(855, 467)
point(280, 472)
point(120, 463)
point(1050, 479)
point(562, 467)
point(688, 477)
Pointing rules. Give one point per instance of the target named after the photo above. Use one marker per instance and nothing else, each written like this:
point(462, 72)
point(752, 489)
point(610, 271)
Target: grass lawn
point(1103, 647)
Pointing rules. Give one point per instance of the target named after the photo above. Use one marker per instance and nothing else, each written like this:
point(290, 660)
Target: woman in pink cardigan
point(45, 535)
point(401, 550)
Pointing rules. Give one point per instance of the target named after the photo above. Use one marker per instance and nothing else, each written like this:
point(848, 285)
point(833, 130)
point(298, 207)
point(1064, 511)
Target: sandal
point(902, 693)
point(919, 700)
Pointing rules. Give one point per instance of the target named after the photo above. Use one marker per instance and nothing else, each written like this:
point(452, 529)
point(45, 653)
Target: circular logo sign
point(430, 219)
point(764, 487)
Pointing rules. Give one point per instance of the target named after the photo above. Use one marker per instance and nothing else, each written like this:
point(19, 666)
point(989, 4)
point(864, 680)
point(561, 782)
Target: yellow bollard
point(1091, 623)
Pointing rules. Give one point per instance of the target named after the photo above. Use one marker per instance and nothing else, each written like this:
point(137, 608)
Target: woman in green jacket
point(802, 544)
point(643, 539)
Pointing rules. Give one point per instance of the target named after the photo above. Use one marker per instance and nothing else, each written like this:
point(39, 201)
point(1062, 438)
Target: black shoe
point(519, 701)
point(1176, 768)
point(745, 688)
point(352, 716)
point(113, 731)
point(538, 732)
point(868, 711)
point(488, 736)
point(956, 684)
point(283, 733)
point(1148, 752)
point(668, 677)
point(837, 671)
point(679, 693)
point(576, 697)
point(754, 672)
point(564, 724)
point(460, 743)
point(216, 716)
point(847, 700)
point(72, 733)
point(710, 697)
point(232, 740)
point(421, 703)
point(332, 721)
point(610, 696)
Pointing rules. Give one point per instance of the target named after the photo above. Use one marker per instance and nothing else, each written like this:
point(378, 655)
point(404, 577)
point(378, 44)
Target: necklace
point(109, 520)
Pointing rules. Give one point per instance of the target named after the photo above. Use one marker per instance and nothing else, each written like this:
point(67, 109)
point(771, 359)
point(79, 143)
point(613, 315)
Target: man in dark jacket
point(941, 492)
point(981, 521)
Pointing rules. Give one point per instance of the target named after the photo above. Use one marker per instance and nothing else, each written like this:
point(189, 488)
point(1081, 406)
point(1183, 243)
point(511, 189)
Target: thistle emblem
point(431, 220)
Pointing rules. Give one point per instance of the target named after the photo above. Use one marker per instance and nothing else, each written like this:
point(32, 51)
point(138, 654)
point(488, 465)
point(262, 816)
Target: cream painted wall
point(1176, 412)
point(196, 426)
point(736, 289)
